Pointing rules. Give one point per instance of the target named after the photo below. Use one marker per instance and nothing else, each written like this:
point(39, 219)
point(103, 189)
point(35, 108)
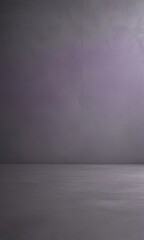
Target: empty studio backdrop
point(72, 81)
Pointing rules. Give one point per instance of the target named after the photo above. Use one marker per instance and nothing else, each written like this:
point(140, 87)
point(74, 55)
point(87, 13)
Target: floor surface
point(71, 202)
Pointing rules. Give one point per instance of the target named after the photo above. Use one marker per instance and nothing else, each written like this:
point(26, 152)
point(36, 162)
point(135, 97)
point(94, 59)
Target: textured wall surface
point(72, 81)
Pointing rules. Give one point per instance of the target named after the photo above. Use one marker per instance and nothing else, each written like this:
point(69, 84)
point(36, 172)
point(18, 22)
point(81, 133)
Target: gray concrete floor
point(72, 202)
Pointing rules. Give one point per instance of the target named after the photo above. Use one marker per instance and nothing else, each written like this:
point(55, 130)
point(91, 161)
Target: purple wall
point(72, 81)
